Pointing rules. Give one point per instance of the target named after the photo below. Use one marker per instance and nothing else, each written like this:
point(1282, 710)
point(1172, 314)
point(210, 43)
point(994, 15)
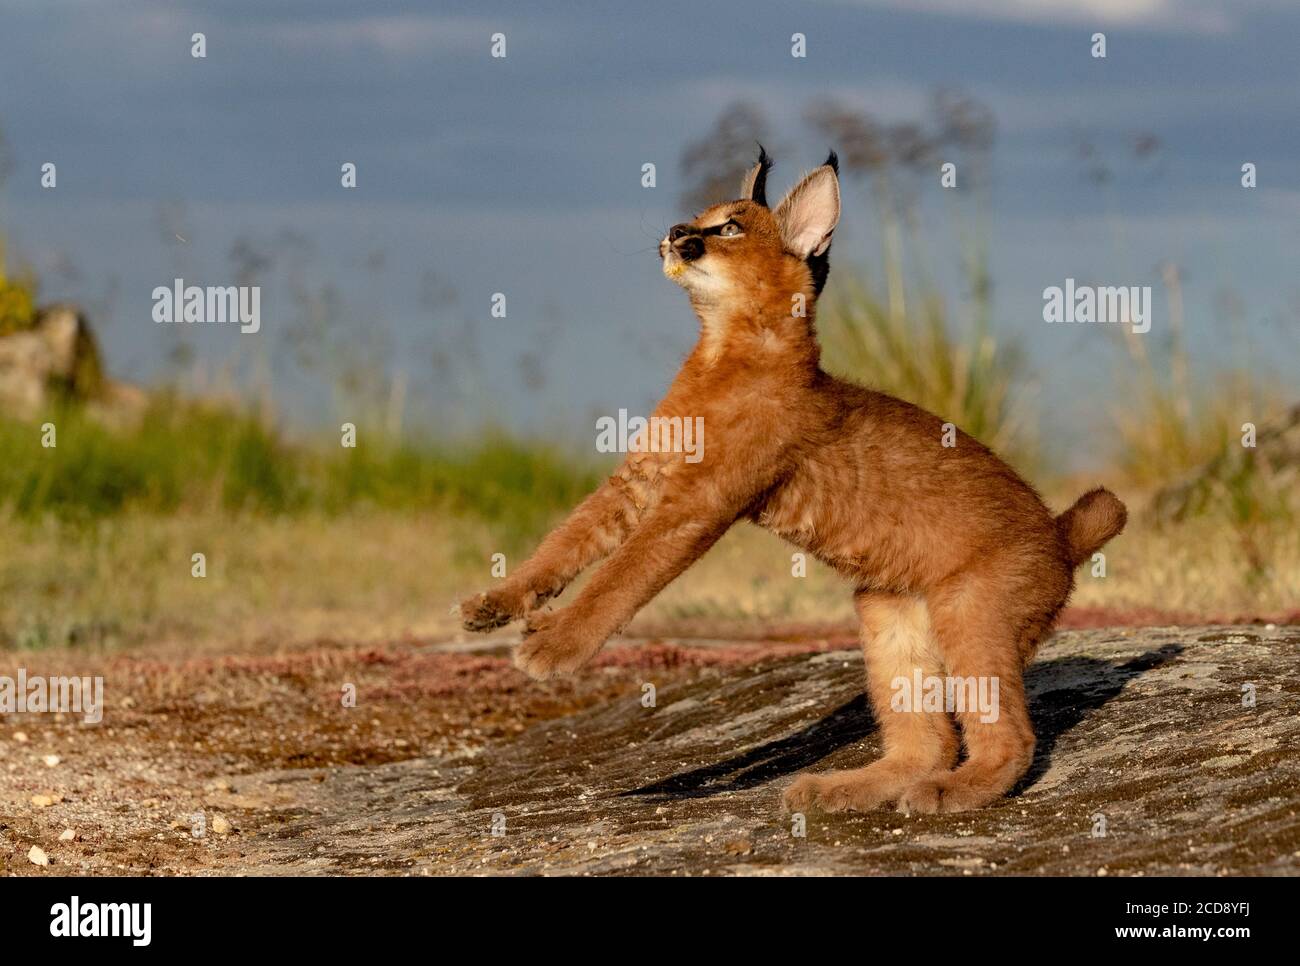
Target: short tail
point(1095, 517)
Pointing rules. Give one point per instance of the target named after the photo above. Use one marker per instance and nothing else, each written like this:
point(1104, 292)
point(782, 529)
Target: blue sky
point(522, 175)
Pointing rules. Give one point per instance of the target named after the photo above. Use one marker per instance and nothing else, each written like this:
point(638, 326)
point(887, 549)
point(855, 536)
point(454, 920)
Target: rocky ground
point(451, 762)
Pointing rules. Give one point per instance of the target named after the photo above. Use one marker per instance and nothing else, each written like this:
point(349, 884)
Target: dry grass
point(126, 580)
point(959, 372)
point(277, 583)
point(1204, 566)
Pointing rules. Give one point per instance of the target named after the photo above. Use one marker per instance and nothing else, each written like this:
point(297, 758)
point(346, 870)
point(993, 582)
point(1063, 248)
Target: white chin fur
point(675, 267)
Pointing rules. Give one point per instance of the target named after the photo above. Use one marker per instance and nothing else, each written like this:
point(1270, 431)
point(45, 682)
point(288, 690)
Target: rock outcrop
point(1160, 751)
point(58, 359)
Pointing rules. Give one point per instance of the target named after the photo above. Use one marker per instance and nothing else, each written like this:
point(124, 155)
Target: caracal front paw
point(496, 608)
point(555, 643)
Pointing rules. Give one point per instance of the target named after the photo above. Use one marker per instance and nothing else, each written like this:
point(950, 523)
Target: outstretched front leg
point(669, 539)
point(657, 515)
point(599, 524)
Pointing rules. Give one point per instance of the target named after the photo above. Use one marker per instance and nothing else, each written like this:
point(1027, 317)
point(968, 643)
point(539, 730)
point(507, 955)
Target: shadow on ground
point(1054, 712)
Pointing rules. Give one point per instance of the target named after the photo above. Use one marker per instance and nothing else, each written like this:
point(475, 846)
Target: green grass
point(188, 457)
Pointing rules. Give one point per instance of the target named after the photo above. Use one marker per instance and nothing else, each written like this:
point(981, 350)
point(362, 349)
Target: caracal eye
point(729, 229)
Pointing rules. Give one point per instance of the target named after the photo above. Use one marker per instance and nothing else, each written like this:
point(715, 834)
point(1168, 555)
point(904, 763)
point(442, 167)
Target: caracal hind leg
point(982, 634)
point(896, 642)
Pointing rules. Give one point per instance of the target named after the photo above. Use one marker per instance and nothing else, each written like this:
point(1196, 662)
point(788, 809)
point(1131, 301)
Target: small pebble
point(37, 856)
point(739, 847)
point(68, 835)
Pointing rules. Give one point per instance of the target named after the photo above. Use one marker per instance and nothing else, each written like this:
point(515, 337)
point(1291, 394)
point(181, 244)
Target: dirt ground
point(450, 761)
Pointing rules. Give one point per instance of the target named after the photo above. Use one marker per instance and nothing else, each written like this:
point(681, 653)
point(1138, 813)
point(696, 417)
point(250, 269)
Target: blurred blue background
point(523, 176)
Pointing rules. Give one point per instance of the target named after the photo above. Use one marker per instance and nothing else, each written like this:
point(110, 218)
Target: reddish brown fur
point(960, 568)
point(1095, 518)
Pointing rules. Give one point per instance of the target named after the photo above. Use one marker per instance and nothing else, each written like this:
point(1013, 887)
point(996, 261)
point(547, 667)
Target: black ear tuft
point(834, 162)
point(820, 267)
point(758, 191)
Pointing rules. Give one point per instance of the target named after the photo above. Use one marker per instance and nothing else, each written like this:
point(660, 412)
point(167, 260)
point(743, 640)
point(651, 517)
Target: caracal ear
point(754, 185)
point(809, 213)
